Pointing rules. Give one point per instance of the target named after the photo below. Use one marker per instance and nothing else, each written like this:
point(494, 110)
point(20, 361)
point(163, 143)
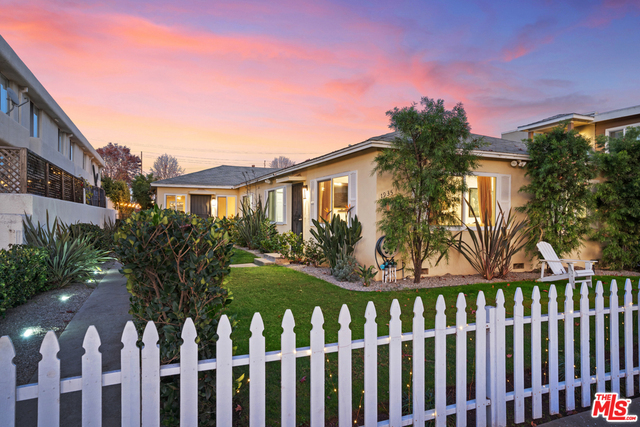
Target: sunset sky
point(242, 82)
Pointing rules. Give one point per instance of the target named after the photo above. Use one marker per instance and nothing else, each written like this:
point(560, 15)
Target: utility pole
point(265, 163)
point(141, 173)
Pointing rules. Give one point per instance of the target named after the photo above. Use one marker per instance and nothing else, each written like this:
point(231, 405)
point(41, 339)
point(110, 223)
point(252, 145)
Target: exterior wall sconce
point(305, 192)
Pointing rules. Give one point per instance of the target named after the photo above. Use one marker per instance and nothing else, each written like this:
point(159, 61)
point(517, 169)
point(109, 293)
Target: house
point(46, 164)
point(591, 125)
point(341, 183)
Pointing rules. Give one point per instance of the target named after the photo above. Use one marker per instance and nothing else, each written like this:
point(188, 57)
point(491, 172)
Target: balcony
point(24, 172)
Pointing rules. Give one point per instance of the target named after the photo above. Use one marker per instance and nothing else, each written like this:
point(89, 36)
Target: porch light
point(305, 192)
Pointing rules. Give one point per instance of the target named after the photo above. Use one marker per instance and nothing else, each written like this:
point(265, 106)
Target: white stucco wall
point(13, 208)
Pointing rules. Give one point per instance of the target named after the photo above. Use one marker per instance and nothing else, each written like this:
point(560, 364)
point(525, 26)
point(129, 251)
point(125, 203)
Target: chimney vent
point(253, 166)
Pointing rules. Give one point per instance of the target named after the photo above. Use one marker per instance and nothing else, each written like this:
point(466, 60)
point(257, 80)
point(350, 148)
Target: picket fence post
point(317, 368)
point(395, 366)
point(614, 347)
point(91, 379)
point(49, 382)
point(518, 357)
point(418, 363)
point(492, 367)
point(370, 366)
point(628, 339)
point(7, 383)
point(189, 376)
point(440, 376)
point(585, 363)
point(600, 363)
point(461, 361)
point(569, 373)
point(130, 377)
point(554, 399)
point(288, 369)
point(481, 361)
point(224, 373)
point(345, 401)
point(500, 351)
point(536, 356)
point(257, 379)
point(150, 377)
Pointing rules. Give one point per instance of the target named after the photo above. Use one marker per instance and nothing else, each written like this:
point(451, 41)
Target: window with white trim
point(226, 206)
point(484, 192)
point(333, 197)
point(35, 118)
point(620, 131)
point(276, 202)
point(176, 202)
point(70, 150)
point(60, 141)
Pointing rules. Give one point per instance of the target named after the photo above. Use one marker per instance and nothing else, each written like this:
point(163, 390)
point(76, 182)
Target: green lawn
point(242, 257)
point(273, 289)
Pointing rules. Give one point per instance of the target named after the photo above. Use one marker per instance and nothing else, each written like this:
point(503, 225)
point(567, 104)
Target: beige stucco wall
point(16, 206)
point(162, 192)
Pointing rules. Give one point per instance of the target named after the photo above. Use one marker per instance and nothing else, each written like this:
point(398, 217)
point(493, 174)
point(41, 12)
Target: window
point(226, 206)
point(620, 131)
point(247, 201)
point(333, 198)
point(35, 115)
point(60, 134)
point(484, 192)
point(176, 201)
point(84, 161)
point(70, 150)
point(4, 97)
point(276, 205)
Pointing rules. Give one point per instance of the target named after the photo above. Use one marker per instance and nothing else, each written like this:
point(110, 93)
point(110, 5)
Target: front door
point(201, 205)
point(296, 208)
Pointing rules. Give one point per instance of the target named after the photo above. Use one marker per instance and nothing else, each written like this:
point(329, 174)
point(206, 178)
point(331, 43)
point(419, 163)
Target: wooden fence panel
point(418, 363)
point(501, 358)
point(585, 343)
point(552, 310)
point(91, 379)
point(317, 368)
point(370, 366)
point(440, 375)
point(49, 382)
point(345, 402)
point(536, 354)
point(395, 366)
point(257, 377)
point(461, 361)
point(288, 369)
point(614, 346)
point(481, 361)
point(518, 357)
point(600, 363)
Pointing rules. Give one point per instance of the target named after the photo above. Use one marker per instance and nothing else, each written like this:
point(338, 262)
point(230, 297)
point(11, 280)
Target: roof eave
point(554, 122)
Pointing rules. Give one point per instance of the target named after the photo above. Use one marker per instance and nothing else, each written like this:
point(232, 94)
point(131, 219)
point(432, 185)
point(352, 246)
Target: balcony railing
point(23, 171)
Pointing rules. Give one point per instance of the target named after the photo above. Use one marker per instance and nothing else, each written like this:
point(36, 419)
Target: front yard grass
point(273, 289)
point(242, 257)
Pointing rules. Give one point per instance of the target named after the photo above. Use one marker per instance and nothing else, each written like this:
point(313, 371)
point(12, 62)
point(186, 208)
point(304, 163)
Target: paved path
point(584, 419)
point(107, 309)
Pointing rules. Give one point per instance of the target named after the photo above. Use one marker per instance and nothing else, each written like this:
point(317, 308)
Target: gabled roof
point(555, 120)
point(219, 177)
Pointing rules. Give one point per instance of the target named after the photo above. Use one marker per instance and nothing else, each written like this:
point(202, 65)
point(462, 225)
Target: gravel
point(49, 311)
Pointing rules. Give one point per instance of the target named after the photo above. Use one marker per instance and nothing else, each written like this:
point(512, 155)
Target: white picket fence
point(141, 370)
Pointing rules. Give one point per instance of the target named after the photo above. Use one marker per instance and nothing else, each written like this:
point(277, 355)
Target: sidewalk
point(584, 419)
point(107, 309)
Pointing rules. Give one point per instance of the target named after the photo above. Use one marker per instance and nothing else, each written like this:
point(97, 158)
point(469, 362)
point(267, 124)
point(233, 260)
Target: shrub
point(292, 247)
point(492, 246)
point(346, 268)
point(254, 228)
point(337, 236)
point(23, 273)
point(101, 238)
point(367, 274)
point(176, 264)
point(72, 256)
point(313, 253)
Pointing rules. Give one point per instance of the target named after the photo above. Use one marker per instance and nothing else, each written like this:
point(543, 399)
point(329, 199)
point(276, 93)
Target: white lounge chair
point(559, 272)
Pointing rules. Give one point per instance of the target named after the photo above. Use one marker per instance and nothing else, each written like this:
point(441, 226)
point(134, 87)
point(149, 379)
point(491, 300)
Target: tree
point(281, 162)
point(166, 166)
point(142, 191)
point(116, 191)
point(618, 200)
point(427, 163)
point(560, 168)
point(121, 165)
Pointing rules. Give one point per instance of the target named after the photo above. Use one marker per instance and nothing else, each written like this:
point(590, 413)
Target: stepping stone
point(242, 265)
point(262, 261)
point(276, 258)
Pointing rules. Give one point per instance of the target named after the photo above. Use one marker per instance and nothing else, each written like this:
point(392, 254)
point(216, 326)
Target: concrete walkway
point(584, 419)
point(107, 309)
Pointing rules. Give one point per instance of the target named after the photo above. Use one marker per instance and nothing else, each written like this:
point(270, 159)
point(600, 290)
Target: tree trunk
point(417, 263)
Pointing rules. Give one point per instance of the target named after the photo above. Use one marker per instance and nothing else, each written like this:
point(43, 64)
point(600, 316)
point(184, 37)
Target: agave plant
point(492, 246)
point(72, 256)
point(333, 236)
point(254, 226)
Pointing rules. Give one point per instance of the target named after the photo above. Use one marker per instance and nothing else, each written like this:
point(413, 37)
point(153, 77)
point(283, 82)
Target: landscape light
point(28, 333)
point(64, 297)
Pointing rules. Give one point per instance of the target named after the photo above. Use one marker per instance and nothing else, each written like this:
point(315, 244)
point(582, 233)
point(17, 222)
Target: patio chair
point(559, 272)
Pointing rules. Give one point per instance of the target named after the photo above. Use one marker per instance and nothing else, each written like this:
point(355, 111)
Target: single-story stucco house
point(335, 182)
